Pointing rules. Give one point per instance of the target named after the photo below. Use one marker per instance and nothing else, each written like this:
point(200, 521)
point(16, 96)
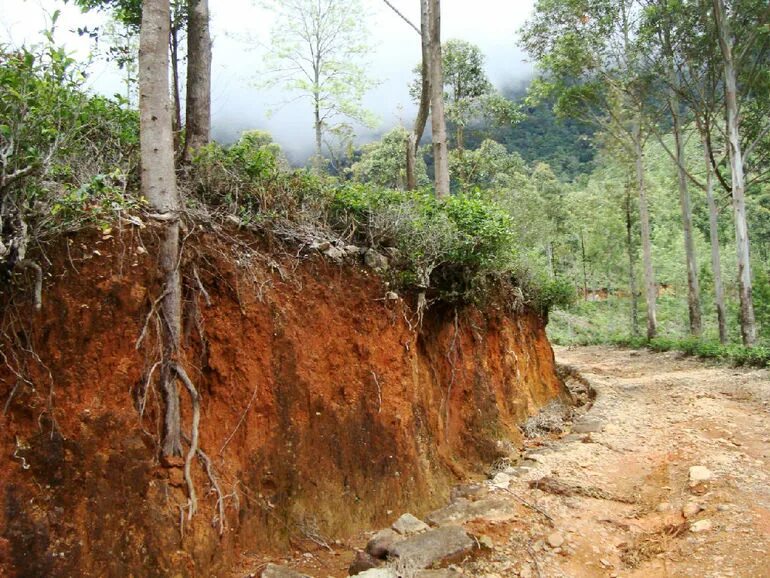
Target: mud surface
point(628, 480)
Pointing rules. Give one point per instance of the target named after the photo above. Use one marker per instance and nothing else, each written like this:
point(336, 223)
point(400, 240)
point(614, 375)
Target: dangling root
point(27, 264)
point(195, 400)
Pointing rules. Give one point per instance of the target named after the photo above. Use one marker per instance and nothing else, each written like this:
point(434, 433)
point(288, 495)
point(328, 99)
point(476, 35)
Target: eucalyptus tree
point(661, 29)
point(587, 57)
point(436, 84)
point(750, 53)
point(317, 52)
point(198, 101)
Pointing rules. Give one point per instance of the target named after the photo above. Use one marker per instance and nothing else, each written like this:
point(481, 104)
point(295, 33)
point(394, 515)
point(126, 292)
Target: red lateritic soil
point(322, 410)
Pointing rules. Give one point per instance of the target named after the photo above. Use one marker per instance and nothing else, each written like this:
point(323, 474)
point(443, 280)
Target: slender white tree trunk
point(716, 262)
point(413, 141)
point(693, 286)
point(644, 222)
point(198, 116)
point(438, 122)
point(159, 187)
point(748, 324)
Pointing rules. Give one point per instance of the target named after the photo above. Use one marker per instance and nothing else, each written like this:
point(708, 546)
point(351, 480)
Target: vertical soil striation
point(322, 409)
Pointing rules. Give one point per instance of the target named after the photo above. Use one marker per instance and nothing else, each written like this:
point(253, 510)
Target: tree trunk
point(585, 272)
point(159, 188)
point(631, 267)
point(716, 265)
point(438, 122)
point(176, 126)
point(425, 95)
point(317, 126)
point(748, 325)
point(693, 288)
point(198, 111)
point(644, 222)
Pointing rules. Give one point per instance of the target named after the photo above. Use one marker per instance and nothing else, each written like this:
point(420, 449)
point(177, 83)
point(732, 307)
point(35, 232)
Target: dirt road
point(627, 478)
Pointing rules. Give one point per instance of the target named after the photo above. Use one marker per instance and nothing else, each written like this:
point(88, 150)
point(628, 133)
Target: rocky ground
point(666, 473)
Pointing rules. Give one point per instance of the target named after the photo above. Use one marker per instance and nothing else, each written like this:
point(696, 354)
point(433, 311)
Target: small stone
point(352, 250)
point(276, 571)
point(378, 573)
point(391, 296)
point(555, 540)
point(701, 526)
point(376, 261)
point(320, 245)
point(362, 562)
point(691, 509)
point(379, 545)
point(501, 480)
point(408, 524)
point(469, 492)
point(699, 474)
point(434, 547)
point(663, 507)
point(334, 253)
point(486, 542)
point(723, 507)
point(526, 571)
point(588, 425)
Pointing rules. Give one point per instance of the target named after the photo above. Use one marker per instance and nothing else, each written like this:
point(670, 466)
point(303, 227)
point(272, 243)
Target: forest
point(621, 195)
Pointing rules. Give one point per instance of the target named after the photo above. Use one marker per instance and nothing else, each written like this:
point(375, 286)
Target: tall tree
point(438, 120)
point(413, 138)
point(587, 54)
point(468, 94)
point(725, 38)
point(198, 105)
point(317, 49)
point(413, 141)
point(159, 188)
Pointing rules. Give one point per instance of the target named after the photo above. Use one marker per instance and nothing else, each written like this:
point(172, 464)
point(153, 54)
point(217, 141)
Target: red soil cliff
point(322, 408)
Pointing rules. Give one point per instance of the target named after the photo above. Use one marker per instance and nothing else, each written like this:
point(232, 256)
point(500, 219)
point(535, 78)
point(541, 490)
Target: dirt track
point(659, 414)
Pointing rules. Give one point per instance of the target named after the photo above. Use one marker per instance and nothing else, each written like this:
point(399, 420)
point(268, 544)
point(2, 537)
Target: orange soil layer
point(322, 409)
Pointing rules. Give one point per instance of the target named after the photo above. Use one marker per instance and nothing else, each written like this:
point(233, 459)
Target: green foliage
point(55, 140)
point(383, 163)
point(317, 52)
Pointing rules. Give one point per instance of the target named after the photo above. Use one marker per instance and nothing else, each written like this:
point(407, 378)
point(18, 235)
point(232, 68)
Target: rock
point(588, 425)
point(376, 261)
point(462, 510)
point(443, 573)
point(434, 547)
point(501, 480)
point(699, 474)
point(526, 571)
point(276, 571)
point(391, 296)
point(701, 526)
point(486, 542)
point(380, 544)
point(378, 573)
point(352, 250)
point(691, 509)
point(555, 540)
point(363, 561)
point(663, 507)
point(320, 245)
point(469, 492)
point(408, 524)
point(334, 253)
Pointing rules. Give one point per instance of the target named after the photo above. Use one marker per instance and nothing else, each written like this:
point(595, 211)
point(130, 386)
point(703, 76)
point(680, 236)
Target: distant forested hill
point(542, 137)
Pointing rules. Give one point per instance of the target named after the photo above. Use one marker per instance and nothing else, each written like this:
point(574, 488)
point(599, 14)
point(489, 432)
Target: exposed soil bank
point(323, 407)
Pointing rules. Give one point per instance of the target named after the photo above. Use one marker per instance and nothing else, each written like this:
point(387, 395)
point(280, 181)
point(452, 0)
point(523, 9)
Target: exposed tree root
point(196, 418)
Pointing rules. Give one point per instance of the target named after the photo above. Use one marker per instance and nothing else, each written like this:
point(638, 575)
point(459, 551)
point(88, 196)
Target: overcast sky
point(237, 104)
